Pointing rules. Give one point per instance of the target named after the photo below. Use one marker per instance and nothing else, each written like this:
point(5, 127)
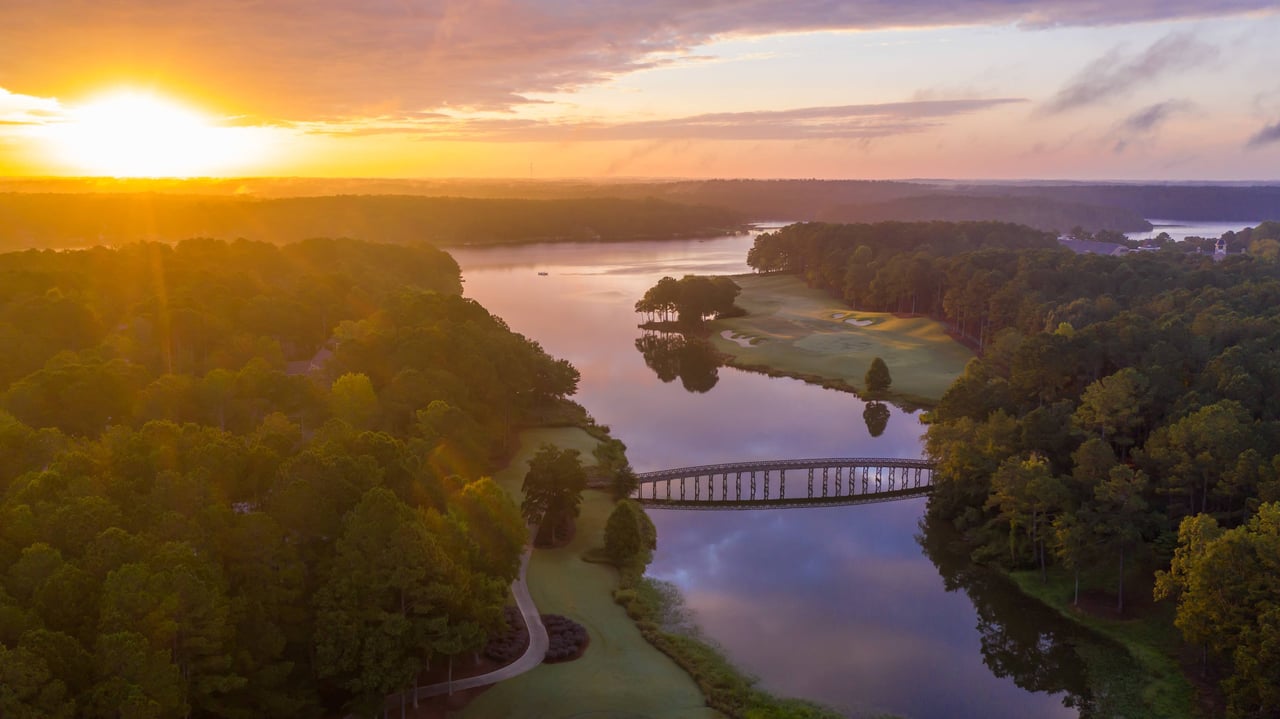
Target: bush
point(567, 639)
point(629, 540)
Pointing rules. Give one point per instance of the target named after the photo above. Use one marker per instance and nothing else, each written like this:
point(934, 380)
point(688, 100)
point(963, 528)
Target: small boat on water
point(542, 274)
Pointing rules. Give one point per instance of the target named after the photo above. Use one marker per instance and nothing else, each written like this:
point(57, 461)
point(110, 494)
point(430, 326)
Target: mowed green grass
point(621, 675)
point(795, 330)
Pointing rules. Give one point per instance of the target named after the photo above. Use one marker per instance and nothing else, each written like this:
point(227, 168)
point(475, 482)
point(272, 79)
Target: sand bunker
point(740, 340)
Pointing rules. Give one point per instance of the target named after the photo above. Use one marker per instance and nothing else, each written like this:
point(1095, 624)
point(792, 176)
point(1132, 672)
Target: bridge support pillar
point(811, 483)
point(824, 481)
point(737, 487)
point(753, 484)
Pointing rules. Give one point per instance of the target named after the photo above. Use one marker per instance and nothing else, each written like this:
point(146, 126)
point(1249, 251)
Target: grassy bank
point(621, 674)
point(796, 331)
point(1150, 639)
point(658, 611)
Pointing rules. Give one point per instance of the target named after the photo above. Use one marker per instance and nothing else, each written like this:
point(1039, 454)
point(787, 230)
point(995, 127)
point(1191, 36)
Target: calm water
point(838, 604)
point(1181, 230)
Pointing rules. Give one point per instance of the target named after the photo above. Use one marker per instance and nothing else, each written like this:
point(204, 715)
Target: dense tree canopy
point(691, 299)
point(256, 469)
point(1114, 396)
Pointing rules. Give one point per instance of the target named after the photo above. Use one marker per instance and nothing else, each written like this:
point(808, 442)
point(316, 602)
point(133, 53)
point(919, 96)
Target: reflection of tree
point(671, 355)
point(876, 415)
point(1030, 643)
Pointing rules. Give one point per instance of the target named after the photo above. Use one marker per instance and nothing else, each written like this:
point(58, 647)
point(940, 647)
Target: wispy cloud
point(1145, 122)
point(1266, 136)
point(329, 59)
point(1115, 74)
point(1149, 118)
point(808, 123)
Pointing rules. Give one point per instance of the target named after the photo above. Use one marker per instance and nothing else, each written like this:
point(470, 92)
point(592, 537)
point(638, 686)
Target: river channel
point(840, 605)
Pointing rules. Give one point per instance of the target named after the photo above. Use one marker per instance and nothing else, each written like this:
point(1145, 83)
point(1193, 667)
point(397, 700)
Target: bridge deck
point(763, 485)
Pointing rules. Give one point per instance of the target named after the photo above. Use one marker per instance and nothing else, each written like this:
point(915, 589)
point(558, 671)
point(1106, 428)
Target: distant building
point(313, 366)
point(1089, 247)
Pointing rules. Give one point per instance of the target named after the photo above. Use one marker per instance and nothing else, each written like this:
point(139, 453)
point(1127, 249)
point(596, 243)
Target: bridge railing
point(677, 472)
point(747, 485)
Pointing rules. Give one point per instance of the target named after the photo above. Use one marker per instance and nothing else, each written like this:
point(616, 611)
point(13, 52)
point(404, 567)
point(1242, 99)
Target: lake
point(840, 605)
point(1180, 229)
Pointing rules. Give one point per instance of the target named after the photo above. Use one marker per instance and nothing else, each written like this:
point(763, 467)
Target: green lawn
point(794, 330)
point(621, 674)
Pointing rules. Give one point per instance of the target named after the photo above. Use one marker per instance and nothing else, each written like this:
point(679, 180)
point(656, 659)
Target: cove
point(840, 605)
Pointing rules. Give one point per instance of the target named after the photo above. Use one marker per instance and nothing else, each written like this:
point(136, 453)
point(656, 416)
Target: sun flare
point(136, 134)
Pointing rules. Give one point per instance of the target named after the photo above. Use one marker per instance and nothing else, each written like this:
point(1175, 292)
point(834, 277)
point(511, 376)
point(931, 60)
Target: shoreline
point(1150, 640)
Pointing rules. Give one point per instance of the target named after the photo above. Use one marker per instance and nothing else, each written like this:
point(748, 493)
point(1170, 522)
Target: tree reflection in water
point(1030, 643)
point(876, 415)
point(672, 355)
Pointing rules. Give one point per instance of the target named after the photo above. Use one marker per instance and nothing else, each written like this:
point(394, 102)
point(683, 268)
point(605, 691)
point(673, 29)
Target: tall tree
point(877, 378)
point(553, 488)
point(352, 400)
point(1026, 493)
point(1113, 408)
point(1121, 518)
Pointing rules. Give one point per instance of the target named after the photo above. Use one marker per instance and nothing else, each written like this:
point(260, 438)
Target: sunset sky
point(1085, 89)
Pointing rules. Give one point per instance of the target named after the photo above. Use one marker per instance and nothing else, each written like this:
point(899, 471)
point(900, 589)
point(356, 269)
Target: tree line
point(1122, 415)
point(86, 219)
point(193, 525)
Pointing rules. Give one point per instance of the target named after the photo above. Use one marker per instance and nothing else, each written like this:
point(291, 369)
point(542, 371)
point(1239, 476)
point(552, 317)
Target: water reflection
point(1029, 642)
point(838, 605)
point(876, 415)
point(672, 355)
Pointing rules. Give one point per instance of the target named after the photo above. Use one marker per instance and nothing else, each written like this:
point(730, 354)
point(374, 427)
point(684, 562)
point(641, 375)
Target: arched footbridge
point(785, 483)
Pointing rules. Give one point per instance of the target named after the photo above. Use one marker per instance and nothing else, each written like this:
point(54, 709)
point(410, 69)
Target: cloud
point(1146, 121)
point(1149, 118)
point(1265, 136)
point(807, 123)
point(329, 59)
point(18, 109)
point(1114, 74)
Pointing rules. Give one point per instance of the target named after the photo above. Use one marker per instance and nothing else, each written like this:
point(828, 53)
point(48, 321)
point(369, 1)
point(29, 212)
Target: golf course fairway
point(794, 330)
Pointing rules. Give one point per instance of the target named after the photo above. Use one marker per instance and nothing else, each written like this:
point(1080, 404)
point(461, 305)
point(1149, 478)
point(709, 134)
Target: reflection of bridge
point(763, 485)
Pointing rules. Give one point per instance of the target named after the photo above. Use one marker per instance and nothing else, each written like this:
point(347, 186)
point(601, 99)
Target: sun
point(140, 134)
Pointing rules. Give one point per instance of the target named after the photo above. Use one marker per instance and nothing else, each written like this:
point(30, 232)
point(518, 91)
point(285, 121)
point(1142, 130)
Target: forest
point(84, 219)
point(1042, 213)
point(244, 480)
point(87, 211)
point(1120, 425)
